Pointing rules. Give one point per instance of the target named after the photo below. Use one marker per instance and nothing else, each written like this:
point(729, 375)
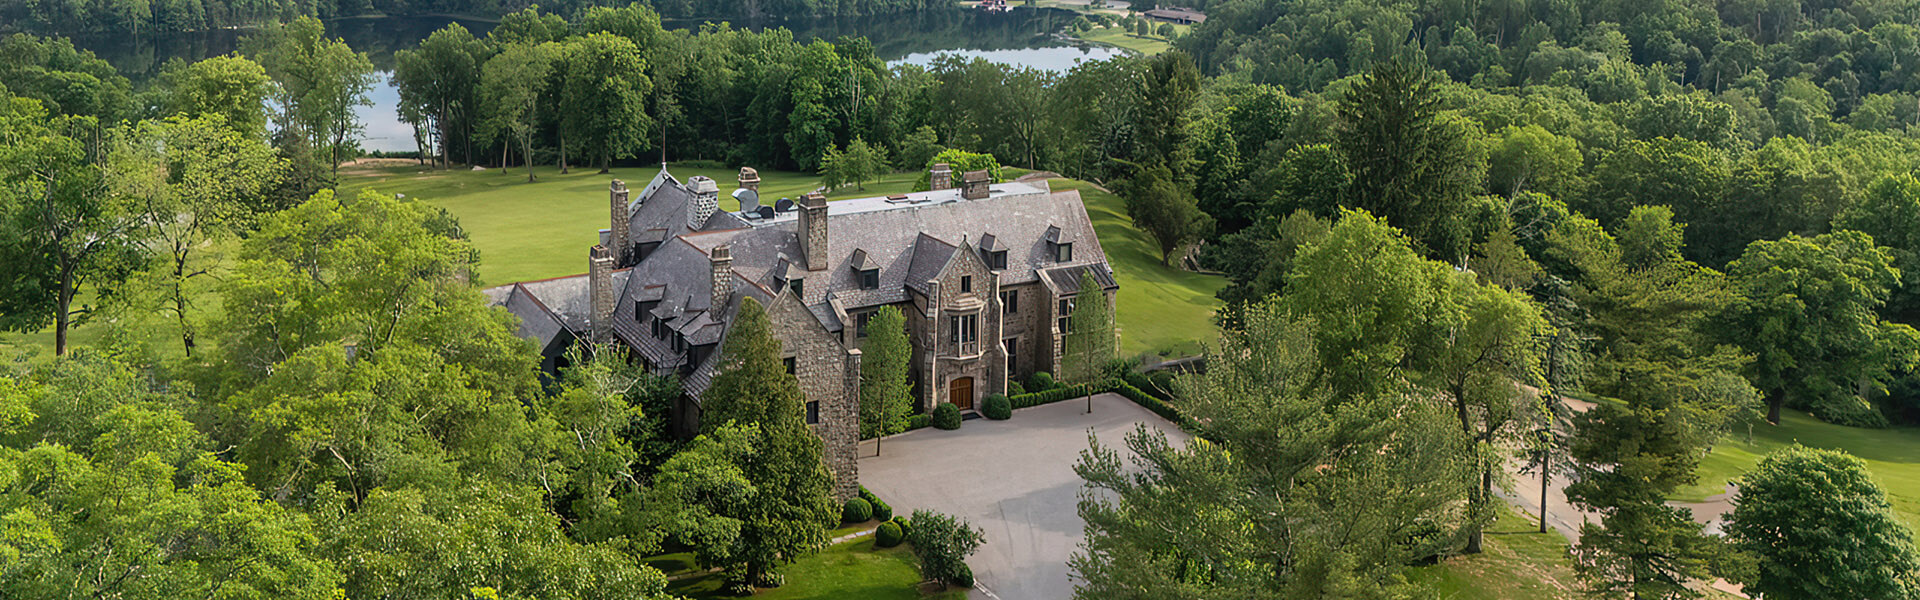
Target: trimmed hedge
point(889, 535)
point(1014, 388)
point(998, 408)
point(1041, 381)
point(906, 525)
point(857, 510)
point(946, 416)
point(919, 422)
point(1050, 396)
point(1158, 406)
point(882, 511)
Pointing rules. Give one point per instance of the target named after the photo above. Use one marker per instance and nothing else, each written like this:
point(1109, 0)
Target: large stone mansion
point(985, 273)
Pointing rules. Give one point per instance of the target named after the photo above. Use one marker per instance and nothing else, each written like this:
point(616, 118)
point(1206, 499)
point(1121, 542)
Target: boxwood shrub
point(947, 417)
point(857, 511)
point(998, 408)
point(1040, 381)
point(882, 511)
point(889, 535)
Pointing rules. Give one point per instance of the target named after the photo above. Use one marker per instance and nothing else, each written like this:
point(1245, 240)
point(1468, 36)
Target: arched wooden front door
point(962, 397)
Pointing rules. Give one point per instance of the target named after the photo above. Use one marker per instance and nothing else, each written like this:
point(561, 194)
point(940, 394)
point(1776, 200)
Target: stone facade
point(829, 374)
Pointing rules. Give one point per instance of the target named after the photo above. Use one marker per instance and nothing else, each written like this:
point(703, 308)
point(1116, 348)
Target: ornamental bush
point(998, 408)
point(906, 525)
point(881, 510)
point(857, 511)
point(889, 535)
point(964, 578)
point(947, 417)
point(1040, 382)
point(1014, 388)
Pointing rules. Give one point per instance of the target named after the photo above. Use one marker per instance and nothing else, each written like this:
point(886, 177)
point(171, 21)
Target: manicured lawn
point(1118, 36)
point(1519, 564)
point(543, 229)
point(851, 570)
point(1162, 310)
point(1892, 455)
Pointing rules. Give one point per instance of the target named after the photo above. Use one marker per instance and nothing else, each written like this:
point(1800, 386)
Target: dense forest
point(1699, 215)
point(136, 17)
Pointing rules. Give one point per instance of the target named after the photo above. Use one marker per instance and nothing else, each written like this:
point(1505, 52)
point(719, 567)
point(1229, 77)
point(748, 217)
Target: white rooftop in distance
point(901, 201)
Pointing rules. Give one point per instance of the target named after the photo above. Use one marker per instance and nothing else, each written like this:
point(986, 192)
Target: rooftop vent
point(749, 200)
point(784, 205)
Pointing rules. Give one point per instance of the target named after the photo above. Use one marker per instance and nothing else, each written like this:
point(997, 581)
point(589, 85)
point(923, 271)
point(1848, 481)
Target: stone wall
point(829, 373)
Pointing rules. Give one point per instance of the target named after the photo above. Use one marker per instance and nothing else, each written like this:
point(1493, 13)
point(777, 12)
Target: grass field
point(1892, 455)
point(1160, 309)
point(1519, 563)
point(1117, 36)
point(849, 570)
point(543, 229)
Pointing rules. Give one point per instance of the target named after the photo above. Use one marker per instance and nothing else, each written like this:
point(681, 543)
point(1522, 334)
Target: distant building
point(985, 273)
point(1177, 16)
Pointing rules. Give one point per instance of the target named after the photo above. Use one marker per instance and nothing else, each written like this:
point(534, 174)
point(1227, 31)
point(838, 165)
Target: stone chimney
point(621, 246)
point(941, 177)
point(706, 200)
point(749, 179)
point(813, 230)
point(722, 261)
point(600, 290)
point(973, 185)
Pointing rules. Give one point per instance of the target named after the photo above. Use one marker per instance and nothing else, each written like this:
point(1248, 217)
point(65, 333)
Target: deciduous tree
point(886, 397)
point(1817, 526)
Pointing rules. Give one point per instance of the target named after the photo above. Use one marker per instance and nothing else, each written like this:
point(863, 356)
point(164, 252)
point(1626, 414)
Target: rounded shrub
point(998, 408)
point(906, 525)
point(947, 417)
point(889, 535)
point(857, 511)
point(1040, 382)
point(1015, 389)
point(964, 578)
point(882, 511)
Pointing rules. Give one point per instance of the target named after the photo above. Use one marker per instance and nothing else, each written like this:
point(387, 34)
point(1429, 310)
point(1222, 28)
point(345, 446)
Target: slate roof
point(909, 238)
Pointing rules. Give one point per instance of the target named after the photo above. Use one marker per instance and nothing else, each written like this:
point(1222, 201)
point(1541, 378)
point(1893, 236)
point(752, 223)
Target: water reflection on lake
point(1022, 38)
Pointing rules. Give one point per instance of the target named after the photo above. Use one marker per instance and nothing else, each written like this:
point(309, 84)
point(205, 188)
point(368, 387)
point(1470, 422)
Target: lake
point(1022, 38)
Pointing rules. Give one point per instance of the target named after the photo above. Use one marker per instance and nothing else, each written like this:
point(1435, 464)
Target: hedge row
point(1053, 395)
point(1152, 403)
point(1125, 386)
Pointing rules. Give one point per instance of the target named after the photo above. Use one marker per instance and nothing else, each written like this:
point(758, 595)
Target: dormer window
point(1061, 242)
point(997, 260)
point(1063, 252)
point(865, 270)
point(799, 286)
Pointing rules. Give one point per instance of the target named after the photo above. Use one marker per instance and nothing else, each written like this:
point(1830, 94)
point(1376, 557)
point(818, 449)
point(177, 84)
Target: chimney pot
point(940, 177)
point(749, 178)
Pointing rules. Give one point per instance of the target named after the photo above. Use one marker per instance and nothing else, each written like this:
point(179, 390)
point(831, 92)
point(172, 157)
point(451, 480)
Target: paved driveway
point(1013, 479)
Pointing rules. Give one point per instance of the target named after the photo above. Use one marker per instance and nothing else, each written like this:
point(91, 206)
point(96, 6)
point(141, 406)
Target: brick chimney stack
point(600, 290)
point(622, 245)
point(722, 261)
point(941, 177)
point(974, 184)
point(813, 230)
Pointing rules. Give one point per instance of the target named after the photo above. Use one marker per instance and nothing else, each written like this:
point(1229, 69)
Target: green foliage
point(441, 83)
point(997, 407)
point(1818, 526)
point(962, 162)
point(857, 510)
point(603, 99)
point(1411, 164)
point(886, 396)
point(1164, 211)
point(946, 416)
point(512, 86)
point(1890, 213)
point(230, 86)
point(1089, 346)
point(1041, 381)
point(321, 82)
point(881, 510)
point(943, 543)
point(888, 535)
point(1326, 470)
point(859, 164)
point(1806, 309)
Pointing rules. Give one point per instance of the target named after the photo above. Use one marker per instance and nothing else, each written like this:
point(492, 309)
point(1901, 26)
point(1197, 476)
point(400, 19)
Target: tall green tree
point(604, 98)
point(320, 82)
point(1089, 345)
point(1807, 309)
point(1171, 86)
point(230, 86)
point(442, 78)
point(512, 87)
point(1291, 487)
point(790, 517)
point(1165, 211)
point(886, 397)
point(1818, 526)
point(1411, 163)
point(195, 182)
point(60, 229)
point(1890, 213)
